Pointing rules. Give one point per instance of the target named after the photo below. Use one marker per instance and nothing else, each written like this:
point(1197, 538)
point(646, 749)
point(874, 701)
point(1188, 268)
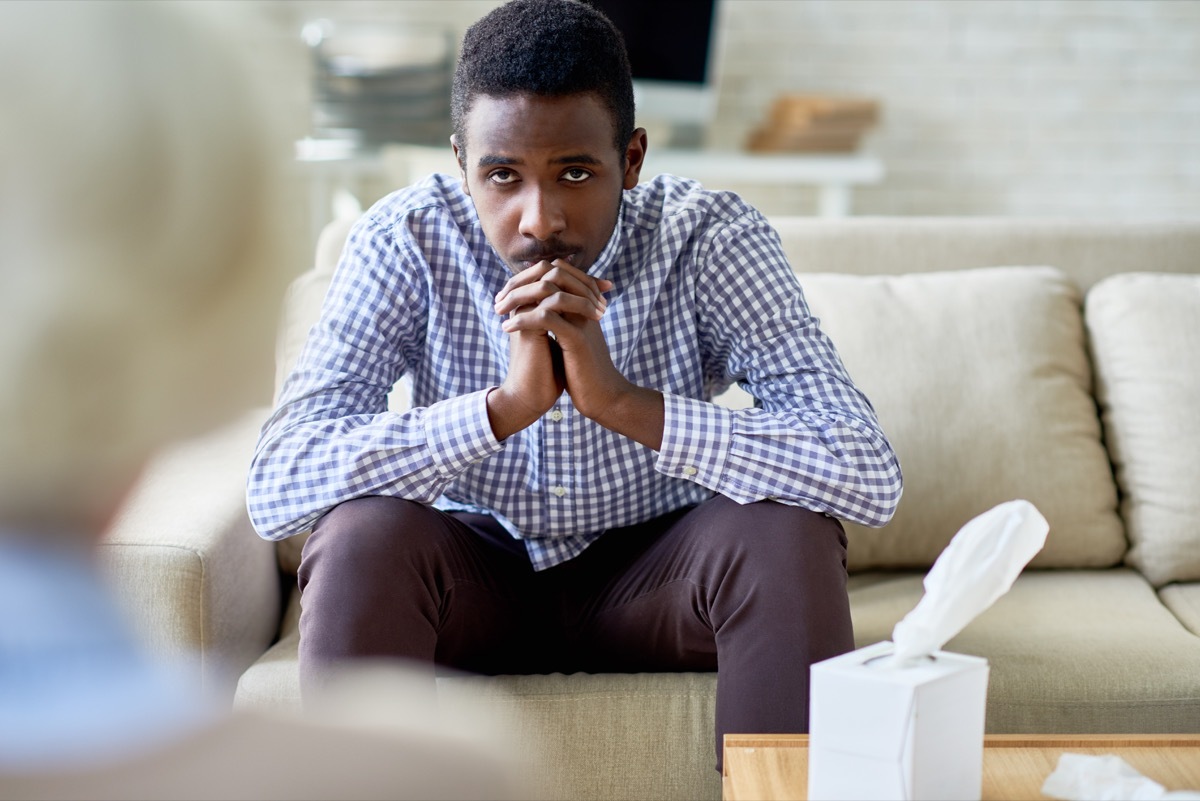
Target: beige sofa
point(1053, 361)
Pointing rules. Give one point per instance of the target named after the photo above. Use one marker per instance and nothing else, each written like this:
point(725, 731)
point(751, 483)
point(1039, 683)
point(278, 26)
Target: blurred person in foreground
point(564, 495)
point(140, 232)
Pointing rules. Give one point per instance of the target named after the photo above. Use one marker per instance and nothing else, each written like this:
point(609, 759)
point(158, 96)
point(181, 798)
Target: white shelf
point(834, 176)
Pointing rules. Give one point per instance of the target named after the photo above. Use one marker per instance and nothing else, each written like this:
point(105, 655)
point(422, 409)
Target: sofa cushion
point(1071, 651)
point(605, 735)
point(982, 383)
point(1145, 331)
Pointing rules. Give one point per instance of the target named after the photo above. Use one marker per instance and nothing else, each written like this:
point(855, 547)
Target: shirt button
point(559, 491)
point(690, 471)
point(556, 416)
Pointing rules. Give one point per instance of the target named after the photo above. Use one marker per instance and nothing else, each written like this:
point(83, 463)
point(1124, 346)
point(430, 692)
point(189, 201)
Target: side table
point(763, 767)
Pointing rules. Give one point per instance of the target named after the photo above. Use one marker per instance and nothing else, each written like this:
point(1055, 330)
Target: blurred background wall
point(1064, 108)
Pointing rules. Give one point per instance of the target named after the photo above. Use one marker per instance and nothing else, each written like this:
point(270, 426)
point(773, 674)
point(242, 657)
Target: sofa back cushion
point(1086, 250)
point(1145, 331)
point(982, 382)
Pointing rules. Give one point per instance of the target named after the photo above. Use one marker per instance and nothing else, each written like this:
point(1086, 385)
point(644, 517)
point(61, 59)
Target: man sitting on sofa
point(564, 495)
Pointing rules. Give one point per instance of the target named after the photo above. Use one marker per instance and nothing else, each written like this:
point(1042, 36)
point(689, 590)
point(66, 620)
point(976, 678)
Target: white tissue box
point(883, 732)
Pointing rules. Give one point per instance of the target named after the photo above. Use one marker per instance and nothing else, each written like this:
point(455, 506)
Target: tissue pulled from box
point(1081, 777)
point(978, 566)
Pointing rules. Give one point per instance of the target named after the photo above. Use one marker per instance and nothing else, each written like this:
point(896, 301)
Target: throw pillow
point(1145, 331)
point(982, 383)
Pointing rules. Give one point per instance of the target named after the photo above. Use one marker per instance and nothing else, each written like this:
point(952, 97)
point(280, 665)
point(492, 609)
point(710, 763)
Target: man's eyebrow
point(577, 158)
point(492, 161)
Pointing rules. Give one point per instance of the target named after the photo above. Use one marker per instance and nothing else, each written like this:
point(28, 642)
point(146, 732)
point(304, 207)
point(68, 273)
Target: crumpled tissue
point(1082, 777)
point(978, 566)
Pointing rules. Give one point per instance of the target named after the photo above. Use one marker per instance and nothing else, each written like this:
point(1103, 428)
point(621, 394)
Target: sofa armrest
point(182, 557)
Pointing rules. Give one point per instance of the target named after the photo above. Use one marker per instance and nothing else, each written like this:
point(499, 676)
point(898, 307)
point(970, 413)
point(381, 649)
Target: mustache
point(546, 251)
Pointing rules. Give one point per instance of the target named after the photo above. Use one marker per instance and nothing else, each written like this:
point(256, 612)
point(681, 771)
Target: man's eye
point(502, 177)
point(577, 174)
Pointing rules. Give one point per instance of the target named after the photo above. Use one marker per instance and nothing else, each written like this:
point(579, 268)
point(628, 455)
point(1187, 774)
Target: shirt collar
point(602, 267)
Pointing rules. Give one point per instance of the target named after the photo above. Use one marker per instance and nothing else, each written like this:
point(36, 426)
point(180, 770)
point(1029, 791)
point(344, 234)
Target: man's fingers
point(542, 291)
point(560, 272)
point(552, 314)
point(563, 274)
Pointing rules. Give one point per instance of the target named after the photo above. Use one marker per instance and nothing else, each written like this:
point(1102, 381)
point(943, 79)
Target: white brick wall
point(1006, 107)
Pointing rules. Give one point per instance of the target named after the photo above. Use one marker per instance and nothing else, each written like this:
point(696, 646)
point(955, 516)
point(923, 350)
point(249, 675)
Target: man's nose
point(542, 215)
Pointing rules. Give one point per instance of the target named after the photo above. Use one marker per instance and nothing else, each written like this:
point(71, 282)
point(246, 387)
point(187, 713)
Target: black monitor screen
point(668, 40)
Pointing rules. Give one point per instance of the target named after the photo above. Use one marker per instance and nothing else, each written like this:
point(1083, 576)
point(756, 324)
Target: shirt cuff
point(695, 442)
point(459, 433)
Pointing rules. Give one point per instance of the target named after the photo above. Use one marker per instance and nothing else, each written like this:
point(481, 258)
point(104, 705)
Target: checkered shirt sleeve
point(812, 439)
point(332, 438)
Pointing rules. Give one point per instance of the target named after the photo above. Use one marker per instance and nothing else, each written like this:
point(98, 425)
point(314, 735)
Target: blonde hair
point(140, 231)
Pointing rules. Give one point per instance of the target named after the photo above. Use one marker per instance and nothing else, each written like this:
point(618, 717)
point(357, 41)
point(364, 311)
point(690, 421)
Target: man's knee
point(369, 533)
point(774, 533)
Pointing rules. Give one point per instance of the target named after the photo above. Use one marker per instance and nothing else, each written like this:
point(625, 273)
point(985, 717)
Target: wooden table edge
point(998, 740)
point(1091, 740)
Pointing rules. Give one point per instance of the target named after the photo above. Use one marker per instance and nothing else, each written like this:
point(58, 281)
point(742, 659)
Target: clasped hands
point(555, 297)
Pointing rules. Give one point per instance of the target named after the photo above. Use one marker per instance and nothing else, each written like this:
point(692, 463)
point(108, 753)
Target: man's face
point(544, 175)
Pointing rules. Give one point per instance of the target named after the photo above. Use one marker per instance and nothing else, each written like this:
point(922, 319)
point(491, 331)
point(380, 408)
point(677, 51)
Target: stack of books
point(375, 84)
point(814, 124)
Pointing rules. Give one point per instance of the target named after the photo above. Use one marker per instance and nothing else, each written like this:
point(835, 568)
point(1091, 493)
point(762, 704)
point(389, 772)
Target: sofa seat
point(1122, 662)
point(581, 725)
point(1070, 650)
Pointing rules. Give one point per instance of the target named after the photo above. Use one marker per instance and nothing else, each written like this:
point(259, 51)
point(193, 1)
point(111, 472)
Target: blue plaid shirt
point(703, 297)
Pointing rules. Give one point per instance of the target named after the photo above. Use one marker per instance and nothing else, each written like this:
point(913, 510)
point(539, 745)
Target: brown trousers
point(755, 592)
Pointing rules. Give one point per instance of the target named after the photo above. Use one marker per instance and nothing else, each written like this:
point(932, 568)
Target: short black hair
point(544, 47)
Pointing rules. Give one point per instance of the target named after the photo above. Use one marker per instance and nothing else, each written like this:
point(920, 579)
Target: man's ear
point(460, 157)
point(635, 157)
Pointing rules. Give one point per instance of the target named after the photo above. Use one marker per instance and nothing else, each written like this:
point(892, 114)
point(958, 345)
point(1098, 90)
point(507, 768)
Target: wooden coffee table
point(774, 767)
